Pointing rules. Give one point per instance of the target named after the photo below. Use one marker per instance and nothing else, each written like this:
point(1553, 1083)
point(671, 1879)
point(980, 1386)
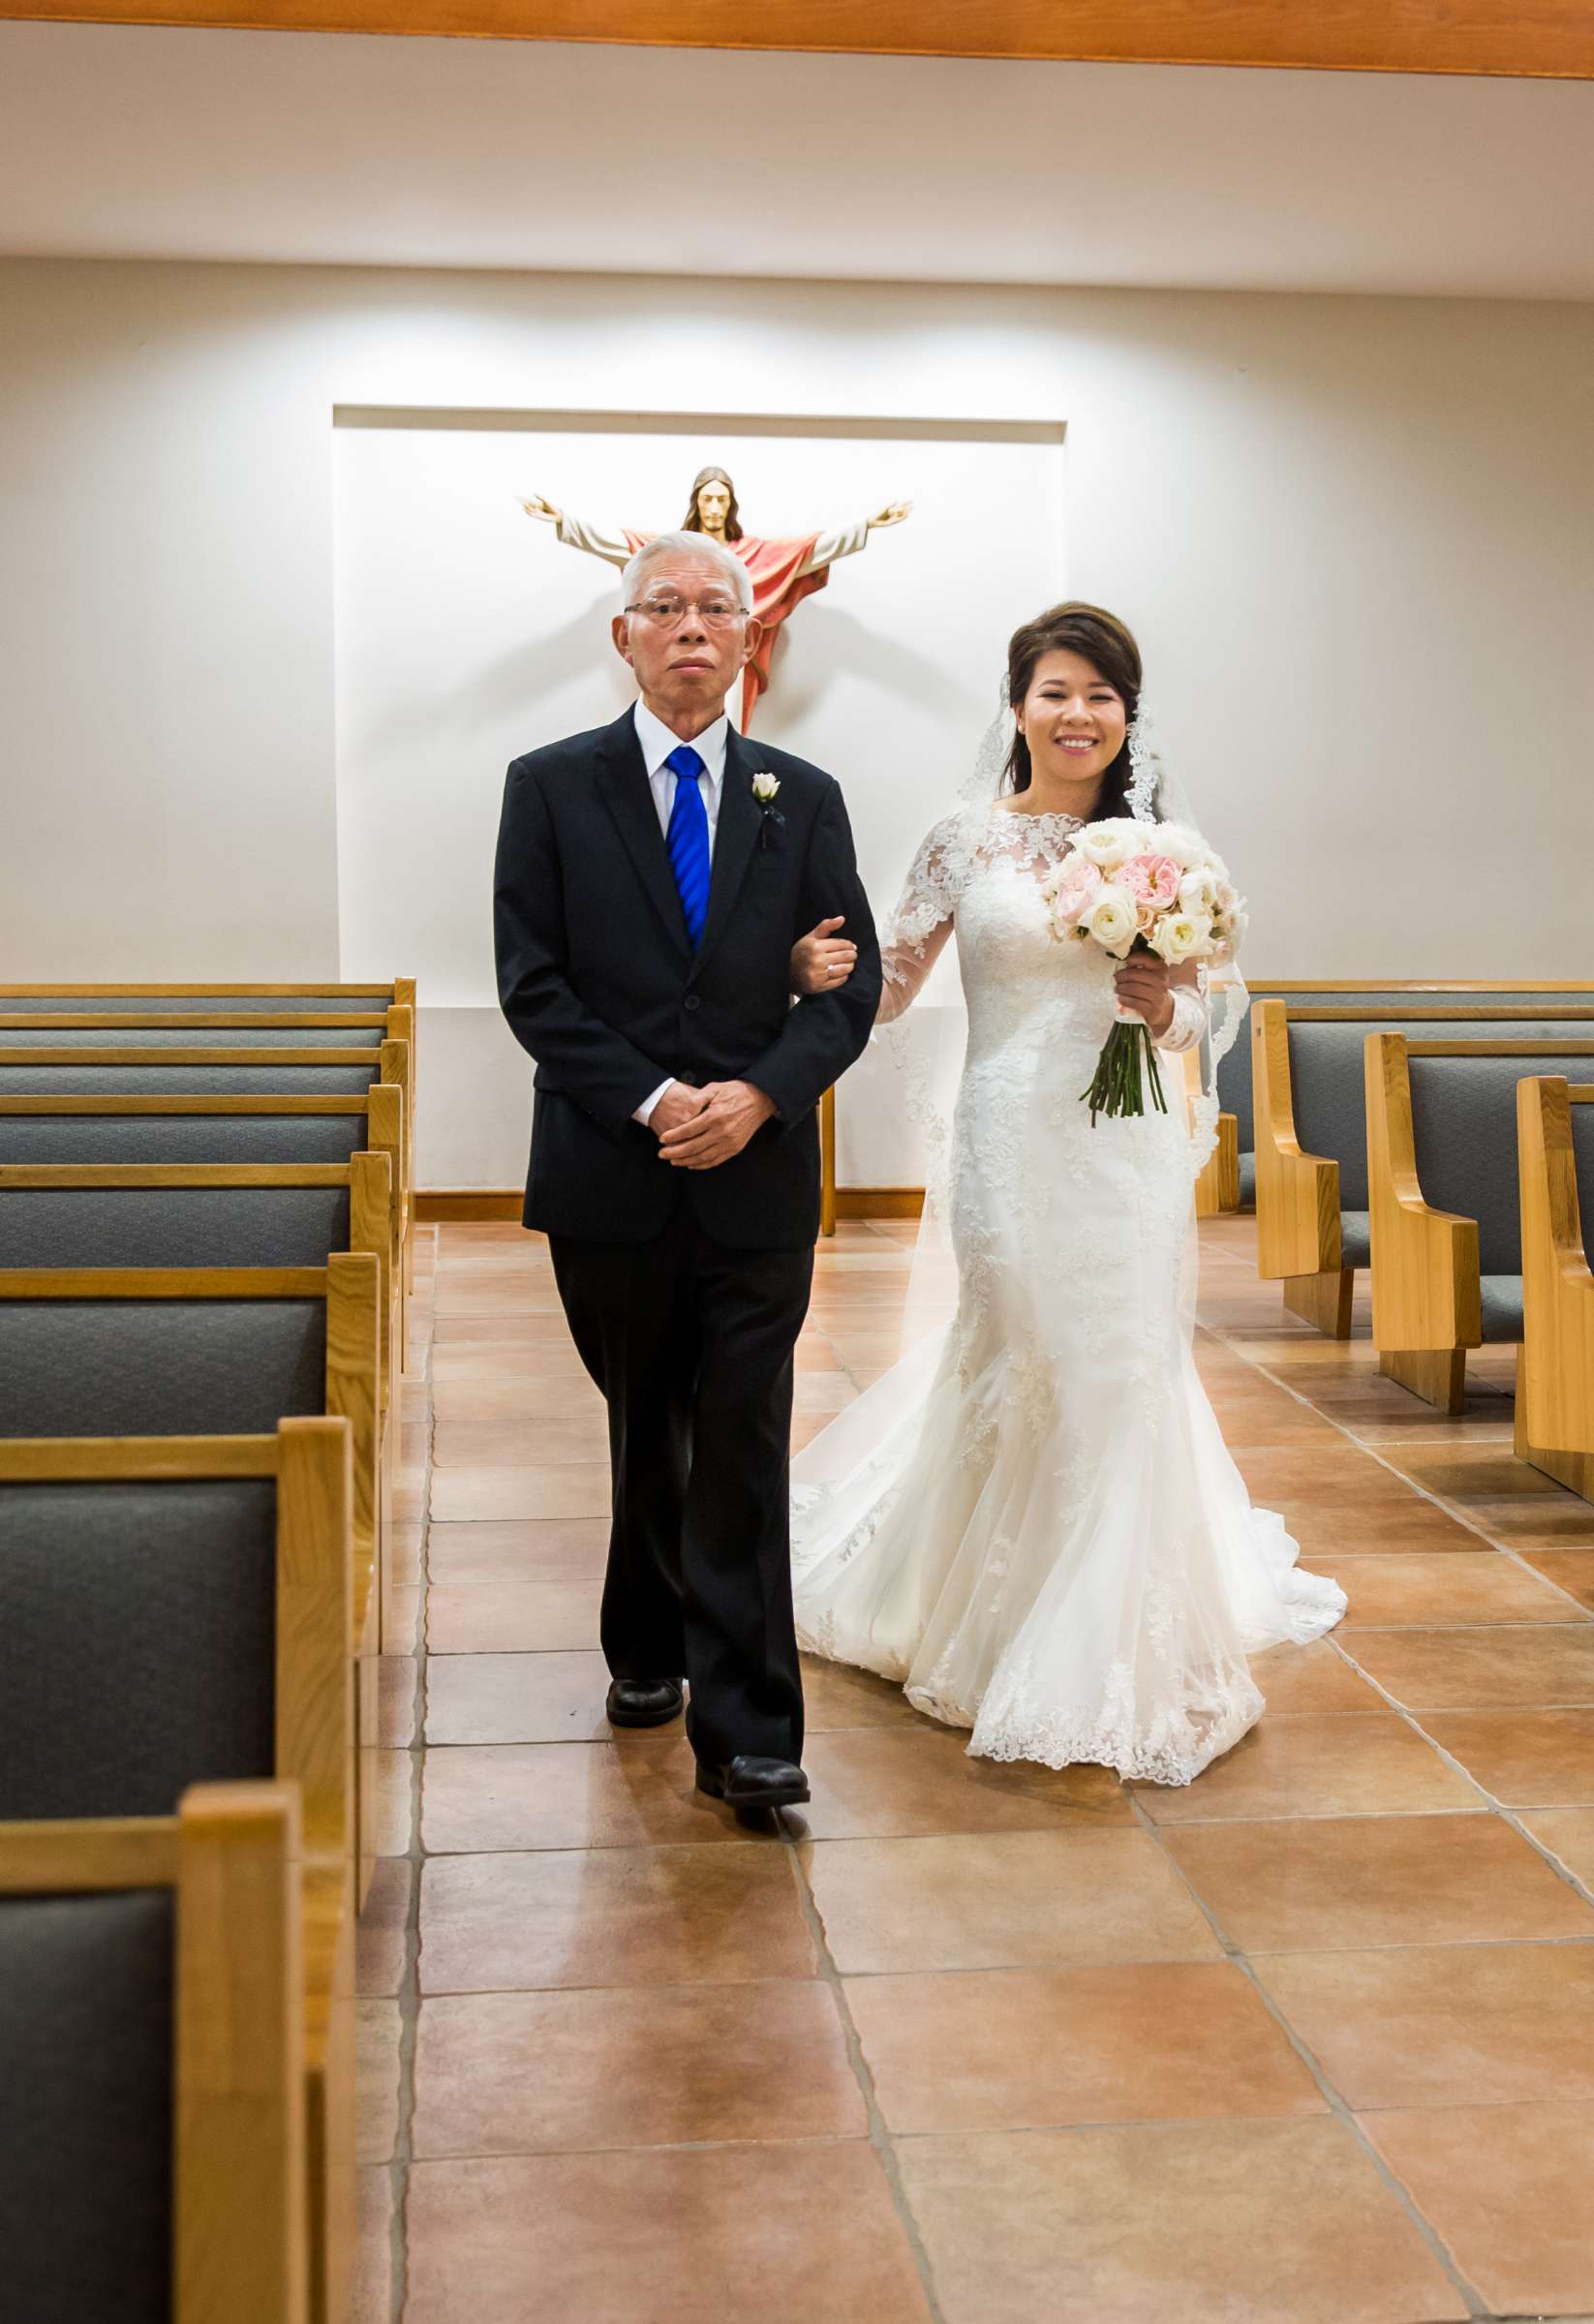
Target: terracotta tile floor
point(1310, 2042)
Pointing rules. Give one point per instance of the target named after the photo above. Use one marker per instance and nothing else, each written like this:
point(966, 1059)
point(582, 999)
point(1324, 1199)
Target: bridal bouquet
point(1140, 887)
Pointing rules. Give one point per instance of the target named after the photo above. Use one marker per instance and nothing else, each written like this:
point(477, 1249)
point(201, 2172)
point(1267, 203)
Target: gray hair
point(732, 571)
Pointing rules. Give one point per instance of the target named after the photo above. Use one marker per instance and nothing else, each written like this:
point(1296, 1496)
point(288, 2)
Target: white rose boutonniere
point(766, 790)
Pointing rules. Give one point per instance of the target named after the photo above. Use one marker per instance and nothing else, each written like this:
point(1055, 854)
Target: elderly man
point(653, 877)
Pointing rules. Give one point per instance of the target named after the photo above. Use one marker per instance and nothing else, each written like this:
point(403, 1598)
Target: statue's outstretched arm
point(577, 534)
point(846, 541)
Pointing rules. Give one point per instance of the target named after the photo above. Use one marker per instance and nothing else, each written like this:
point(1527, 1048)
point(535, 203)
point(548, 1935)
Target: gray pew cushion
point(186, 1080)
point(158, 1367)
point(1500, 1298)
point(137, 1643)
point(208, 1004)
point(1328, 1077)
point(1582, 1152)
point(1464, 1113)
point(171, 1226)
point(173, 1138)
point(1233, 1074)
point(1247, 1181)
point(179, 1036)
point(87, 2023)
point(1355, 1238)
point(1234, 1085)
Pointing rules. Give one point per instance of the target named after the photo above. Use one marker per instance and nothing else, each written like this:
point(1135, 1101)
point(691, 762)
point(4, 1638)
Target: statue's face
point(713, 506)
point(1072, 720)
point(686, 661)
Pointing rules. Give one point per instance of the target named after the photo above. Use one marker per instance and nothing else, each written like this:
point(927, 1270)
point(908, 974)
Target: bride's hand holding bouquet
point(1140, 889)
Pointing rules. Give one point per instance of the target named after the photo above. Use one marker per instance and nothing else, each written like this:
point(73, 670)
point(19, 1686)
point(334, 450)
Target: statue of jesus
point(784, 572)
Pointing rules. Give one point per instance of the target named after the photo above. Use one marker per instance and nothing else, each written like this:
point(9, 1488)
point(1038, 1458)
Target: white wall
point(1354, 536)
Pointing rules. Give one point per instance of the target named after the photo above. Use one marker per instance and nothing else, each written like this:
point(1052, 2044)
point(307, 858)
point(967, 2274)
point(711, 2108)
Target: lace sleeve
point(1191, 1015)
point(916, 937)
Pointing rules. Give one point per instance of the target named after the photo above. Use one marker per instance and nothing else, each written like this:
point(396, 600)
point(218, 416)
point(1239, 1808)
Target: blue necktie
point(688, 840)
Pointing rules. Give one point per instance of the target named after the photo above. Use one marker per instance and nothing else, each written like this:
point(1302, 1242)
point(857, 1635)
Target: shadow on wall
point(498, 693)
point(832, 642)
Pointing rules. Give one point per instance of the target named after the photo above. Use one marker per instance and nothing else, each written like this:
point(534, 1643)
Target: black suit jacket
point(600, 982)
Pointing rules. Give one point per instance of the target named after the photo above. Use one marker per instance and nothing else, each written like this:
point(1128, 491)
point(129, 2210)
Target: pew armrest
point(1296, 1194)
point(1217, 1189)
point(1556, 1378)
point(1425, 1289)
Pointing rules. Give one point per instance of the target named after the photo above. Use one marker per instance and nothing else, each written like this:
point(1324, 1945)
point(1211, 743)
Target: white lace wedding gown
point(1032, 1521)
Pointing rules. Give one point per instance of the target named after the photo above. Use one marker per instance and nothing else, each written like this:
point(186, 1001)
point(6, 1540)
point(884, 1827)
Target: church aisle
point(1310, 2042)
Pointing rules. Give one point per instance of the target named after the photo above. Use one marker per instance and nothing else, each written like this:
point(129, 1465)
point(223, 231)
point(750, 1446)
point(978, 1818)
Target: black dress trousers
point(691, 1342)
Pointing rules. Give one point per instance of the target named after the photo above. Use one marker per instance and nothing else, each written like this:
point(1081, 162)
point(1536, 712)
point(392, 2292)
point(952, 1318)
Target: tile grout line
point(1340, 2107)
point(1458, 1514)
point(1509, 1816)
point(1335, 1638)
point(1409, 1718)
point(880, 2135)
point(408, 1992)
point(1451, 1508)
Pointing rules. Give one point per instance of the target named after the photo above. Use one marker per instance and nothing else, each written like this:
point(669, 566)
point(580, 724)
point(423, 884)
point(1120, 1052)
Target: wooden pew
point(153, 2137)
point(179, 1611)
point(240, 1006)
point(1555, 1371)
point(99, 1028)
point(213, 1352)
point(340, 998)
point(216, 1022)
point(65, 1117)
point(200, 1216)
point(203, 1214)
point(105, 1541)
point(1446, 1221)
point(1312, 1218)
point(128, 1068)
point(1235, 1167)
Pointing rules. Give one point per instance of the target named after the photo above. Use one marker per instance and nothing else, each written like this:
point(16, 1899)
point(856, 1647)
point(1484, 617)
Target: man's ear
point(752, 638)
point(621, 632)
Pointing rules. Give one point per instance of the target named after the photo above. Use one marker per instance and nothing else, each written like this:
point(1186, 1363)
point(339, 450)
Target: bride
point(1032, 1521)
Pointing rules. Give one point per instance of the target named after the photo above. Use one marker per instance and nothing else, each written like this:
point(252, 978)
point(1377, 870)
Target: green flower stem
point(1128, 1060)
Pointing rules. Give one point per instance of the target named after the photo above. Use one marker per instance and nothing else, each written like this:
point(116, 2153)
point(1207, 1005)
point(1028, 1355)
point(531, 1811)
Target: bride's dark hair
point(1097, 637)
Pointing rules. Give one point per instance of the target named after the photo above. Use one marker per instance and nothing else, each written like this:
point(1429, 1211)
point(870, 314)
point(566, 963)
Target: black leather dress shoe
point(747, 1782)
point(644, 1702)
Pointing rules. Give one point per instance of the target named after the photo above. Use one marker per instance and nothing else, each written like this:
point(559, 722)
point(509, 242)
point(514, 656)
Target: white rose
point(1113, 841)
point(1110, 920)
point(1180, 936)
point(1197, 891)
point(1187, 848)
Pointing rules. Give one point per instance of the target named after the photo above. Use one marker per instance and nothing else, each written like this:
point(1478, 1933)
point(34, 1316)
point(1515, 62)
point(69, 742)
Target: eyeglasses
point(668, 613)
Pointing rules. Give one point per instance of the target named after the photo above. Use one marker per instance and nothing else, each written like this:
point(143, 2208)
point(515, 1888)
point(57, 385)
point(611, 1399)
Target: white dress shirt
point(658, 742)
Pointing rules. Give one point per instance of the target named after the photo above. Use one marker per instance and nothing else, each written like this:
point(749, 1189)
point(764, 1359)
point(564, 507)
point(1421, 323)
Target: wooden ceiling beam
point(1530, 39)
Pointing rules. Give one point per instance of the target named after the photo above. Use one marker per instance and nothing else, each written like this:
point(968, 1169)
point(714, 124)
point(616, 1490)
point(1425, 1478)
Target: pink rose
point(1152, 880)
point(1076, 884)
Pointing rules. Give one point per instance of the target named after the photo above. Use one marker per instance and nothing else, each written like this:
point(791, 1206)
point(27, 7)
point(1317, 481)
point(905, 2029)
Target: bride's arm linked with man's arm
point(1173, 1001)
point(909, 947)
